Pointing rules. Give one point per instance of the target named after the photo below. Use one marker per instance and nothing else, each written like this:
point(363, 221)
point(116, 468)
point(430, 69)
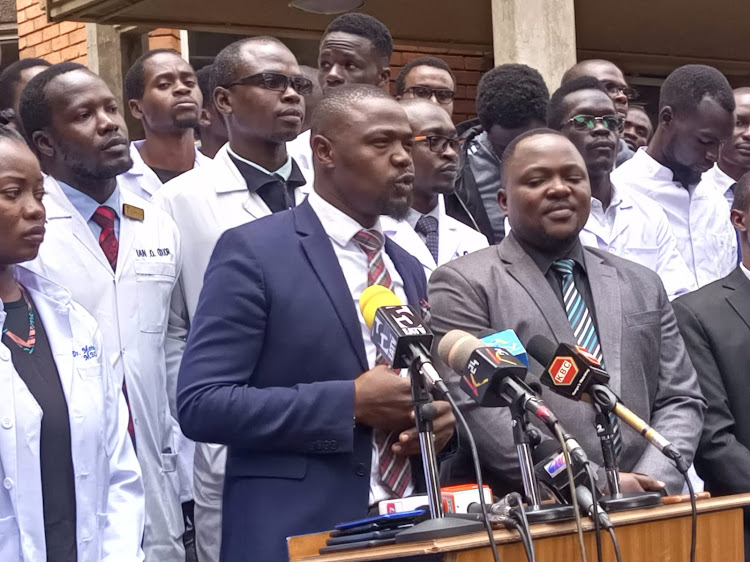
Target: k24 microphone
point(550, 468)
point(573, 372)
point(399, 334)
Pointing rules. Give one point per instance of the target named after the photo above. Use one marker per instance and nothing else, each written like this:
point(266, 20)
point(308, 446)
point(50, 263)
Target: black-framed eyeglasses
point(439, 143)
point(582, 122)
point(613, 89)
point(443, 95)
point(275, 81)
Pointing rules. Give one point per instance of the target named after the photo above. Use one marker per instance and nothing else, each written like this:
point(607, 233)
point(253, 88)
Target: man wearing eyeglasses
point(427, 232)
point(614, 83)
point(428, 78)
point(621, 222)
point(259, 92)
point(696, 116)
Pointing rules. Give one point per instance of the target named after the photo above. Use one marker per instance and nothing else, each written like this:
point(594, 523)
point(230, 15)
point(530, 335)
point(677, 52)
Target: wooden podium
point(660, 534)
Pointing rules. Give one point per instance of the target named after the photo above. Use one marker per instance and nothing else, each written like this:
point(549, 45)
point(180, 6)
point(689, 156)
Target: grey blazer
point(502, 288)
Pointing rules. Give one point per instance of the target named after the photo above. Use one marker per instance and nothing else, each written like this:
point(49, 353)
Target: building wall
point(56, 42)
point(468, 66)
point(164, 38)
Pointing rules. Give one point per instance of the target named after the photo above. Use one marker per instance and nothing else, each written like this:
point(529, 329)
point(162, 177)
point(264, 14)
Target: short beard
point(397, 210)
point(186, 122)
point(101, 173)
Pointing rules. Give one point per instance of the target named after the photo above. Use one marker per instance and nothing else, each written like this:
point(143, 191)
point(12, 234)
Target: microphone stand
point(536, 512)
point(604, 404)
point(438, 525)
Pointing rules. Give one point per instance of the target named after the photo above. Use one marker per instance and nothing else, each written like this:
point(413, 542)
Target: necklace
point(25, 344)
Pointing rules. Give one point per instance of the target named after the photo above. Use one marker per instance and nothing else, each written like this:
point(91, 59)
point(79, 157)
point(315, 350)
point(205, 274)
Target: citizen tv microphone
point(551, 470)
point(399, 334)
point(573, 372)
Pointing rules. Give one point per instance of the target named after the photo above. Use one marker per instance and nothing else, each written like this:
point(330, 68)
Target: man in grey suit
point(518, 284)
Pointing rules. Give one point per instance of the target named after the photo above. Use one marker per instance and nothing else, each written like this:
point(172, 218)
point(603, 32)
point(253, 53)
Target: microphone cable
point(520, 515)
point(595, 507)
point(615, 544)
point(694, 518)
point(477, 473)
point(525, 539)
point(571, 483)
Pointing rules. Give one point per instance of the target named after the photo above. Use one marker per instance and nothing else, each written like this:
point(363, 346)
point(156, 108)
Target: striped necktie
point(395, 470)
point(582, 323)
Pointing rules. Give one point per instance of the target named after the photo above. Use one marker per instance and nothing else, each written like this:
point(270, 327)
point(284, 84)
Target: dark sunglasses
point(443, 95)
point(439, 143)
point(582, 122)
point(613, 89)
point(276, 82)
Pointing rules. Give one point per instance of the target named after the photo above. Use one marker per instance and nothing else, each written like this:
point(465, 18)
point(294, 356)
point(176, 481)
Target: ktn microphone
point(551, 470)
point(399, 334)
point(573, 372)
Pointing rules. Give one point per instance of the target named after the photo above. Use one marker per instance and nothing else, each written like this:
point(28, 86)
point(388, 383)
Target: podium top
point(305, 548)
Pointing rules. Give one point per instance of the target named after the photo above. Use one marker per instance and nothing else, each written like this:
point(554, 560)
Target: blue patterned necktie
point(428, 227)
point(578, 313)
point(582, 323)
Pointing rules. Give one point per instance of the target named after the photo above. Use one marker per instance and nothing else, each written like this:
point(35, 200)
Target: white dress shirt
point(300, 150)
point(341, 229)
point(745, 270)
point(698, 215)
point(720, 181)
point(634, 228)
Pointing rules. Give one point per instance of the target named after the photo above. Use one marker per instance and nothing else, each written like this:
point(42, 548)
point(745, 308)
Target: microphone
point(399, 334)
point(551, 470)
point(508, 340)
point(573, 372)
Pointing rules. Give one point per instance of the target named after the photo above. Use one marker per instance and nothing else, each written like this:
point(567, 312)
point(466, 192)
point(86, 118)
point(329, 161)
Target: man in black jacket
point(511, 99)
point(715, 323)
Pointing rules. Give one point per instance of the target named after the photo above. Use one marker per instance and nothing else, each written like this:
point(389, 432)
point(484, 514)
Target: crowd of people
point(186, 372)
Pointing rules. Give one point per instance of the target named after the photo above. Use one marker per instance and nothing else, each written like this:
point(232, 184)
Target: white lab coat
point(698, 215)
point(637, 229)
point(205, 202)
point(141, 179)
point(455, 239)
point(131, 307)
point(108, 486)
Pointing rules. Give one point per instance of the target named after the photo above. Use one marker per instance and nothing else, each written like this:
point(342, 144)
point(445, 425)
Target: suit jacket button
point(361, 469)
point(334, 445)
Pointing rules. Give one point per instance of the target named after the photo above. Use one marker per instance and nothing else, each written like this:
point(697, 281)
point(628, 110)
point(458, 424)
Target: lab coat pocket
point(169, 462)
point(10, 539)
point(155, 281)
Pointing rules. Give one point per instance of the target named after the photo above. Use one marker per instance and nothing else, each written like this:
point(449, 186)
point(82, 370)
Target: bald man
point(734, 155)
point(613, 80)
point(427, 232)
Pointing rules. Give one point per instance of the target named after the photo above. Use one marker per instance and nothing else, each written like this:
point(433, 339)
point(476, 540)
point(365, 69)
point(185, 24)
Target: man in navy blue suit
point(279, 364)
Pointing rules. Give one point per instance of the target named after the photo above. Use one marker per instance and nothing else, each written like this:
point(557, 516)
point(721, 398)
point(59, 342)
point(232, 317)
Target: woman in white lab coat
point(71, 485)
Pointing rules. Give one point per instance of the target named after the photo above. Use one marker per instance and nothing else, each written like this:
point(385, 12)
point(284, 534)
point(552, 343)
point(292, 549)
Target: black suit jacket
point(715, 323)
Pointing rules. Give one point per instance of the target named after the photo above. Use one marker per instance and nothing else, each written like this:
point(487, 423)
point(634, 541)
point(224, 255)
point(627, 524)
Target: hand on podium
point(634, 482)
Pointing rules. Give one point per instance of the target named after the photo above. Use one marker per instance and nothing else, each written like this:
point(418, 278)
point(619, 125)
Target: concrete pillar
point(540, 33)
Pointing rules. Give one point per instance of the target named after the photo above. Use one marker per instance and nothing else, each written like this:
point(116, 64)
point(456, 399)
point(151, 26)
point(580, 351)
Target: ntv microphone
point(550, 468)
point(572, 372)
point(399, 334)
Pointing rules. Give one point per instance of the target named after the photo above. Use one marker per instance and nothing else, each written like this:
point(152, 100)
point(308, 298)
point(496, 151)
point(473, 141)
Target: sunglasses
point(439, 143)
point(276, 82)
point(443, 95)
point(583, 122)
point(613, 89)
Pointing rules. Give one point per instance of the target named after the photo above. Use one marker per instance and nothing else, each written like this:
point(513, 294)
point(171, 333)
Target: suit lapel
point(522, 268)
point(605, 290)
point(737, 288)
point(320, 253)
point(410, 285)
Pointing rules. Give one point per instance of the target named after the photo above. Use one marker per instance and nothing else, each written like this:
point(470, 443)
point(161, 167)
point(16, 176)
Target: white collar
point(339, 226)
point(413, 215)
point(284, 171)
point(719, 178)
